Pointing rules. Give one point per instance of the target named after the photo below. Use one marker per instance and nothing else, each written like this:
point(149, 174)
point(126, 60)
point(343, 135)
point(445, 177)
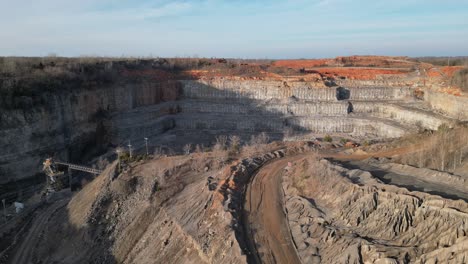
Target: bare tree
point(444, 150)
point(198, 149)
point(219, 150)
point(102, 163)
point(257, 144)
point(187, 149)
point(261, 139)
point(158, 152)
point(234, 143)
point(220, 143)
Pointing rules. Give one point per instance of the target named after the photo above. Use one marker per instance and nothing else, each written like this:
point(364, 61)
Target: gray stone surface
point(71, 123)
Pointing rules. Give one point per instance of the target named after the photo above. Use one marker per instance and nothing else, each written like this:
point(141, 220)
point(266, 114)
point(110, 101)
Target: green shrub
point(328, 138)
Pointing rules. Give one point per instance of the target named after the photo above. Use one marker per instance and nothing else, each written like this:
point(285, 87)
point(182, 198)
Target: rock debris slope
point(183, 209)
point(338, 215)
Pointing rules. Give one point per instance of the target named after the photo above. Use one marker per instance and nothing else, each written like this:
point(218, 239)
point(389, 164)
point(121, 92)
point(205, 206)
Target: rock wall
point(267, 90)
point(75, 123)
point(404, 114)
point(379, 93)
point(452, 106)
point(255, 124)
point(136, 124)
point(293, 108)
point(261, 90)
point(67, 124)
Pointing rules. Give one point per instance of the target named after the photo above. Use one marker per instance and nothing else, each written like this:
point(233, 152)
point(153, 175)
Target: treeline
point(444, 61)
point(18, 66)
point(26, 75)
point(460, 79)
point(444, 150)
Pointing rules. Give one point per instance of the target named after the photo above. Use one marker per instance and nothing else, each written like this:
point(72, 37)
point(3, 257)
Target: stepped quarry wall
point(267, 90)
point(270, 108)
point(260, 90)
point(379, 93)
point(73, 124)
point(452, 106)
point(382, 82)
point(403, 114)
point(300, 99)
point(233, 124)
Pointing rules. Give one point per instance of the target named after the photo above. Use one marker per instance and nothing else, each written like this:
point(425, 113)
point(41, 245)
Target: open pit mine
point(359, 159)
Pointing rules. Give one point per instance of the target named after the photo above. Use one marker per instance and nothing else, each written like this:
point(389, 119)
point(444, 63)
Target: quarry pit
point(281, 162)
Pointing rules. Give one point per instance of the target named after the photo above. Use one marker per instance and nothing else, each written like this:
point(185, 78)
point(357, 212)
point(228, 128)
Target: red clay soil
point(358, 73)
point(445, 71)
point(369, 68)
point(444, 74)
point(355, 61)
point(451, 90)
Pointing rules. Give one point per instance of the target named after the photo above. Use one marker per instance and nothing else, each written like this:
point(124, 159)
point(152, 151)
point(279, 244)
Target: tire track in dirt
point(266, 221)
point(23, 253)
point(264, 217)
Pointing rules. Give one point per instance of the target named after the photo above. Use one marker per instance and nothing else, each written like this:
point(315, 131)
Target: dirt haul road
point(24, 251)
point(265, 220)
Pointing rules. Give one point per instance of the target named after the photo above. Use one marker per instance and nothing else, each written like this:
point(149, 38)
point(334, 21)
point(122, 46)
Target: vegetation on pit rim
point(445, 149)
point(443, 61)
point(102, 68)
point(460, 79)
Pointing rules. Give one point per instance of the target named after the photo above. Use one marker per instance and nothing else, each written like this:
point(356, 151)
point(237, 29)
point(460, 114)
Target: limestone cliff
point(49, 122)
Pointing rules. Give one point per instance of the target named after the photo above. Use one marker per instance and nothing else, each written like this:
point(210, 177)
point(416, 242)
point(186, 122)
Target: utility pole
point(119, 153)
point(4, 210)
point(130, 148)
point(70, 177)
point(146, 143)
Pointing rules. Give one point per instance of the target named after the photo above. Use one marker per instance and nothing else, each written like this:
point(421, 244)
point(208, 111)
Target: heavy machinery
point(55, 178)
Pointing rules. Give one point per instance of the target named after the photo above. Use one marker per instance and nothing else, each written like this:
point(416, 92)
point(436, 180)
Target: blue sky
point(235, 28)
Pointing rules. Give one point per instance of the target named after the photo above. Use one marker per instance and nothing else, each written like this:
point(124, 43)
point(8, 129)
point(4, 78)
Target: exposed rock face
point(350, 217)
point(454, 106)
point(242, 105)
point(89, 119)
point(266, 90)
point(68, 124)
